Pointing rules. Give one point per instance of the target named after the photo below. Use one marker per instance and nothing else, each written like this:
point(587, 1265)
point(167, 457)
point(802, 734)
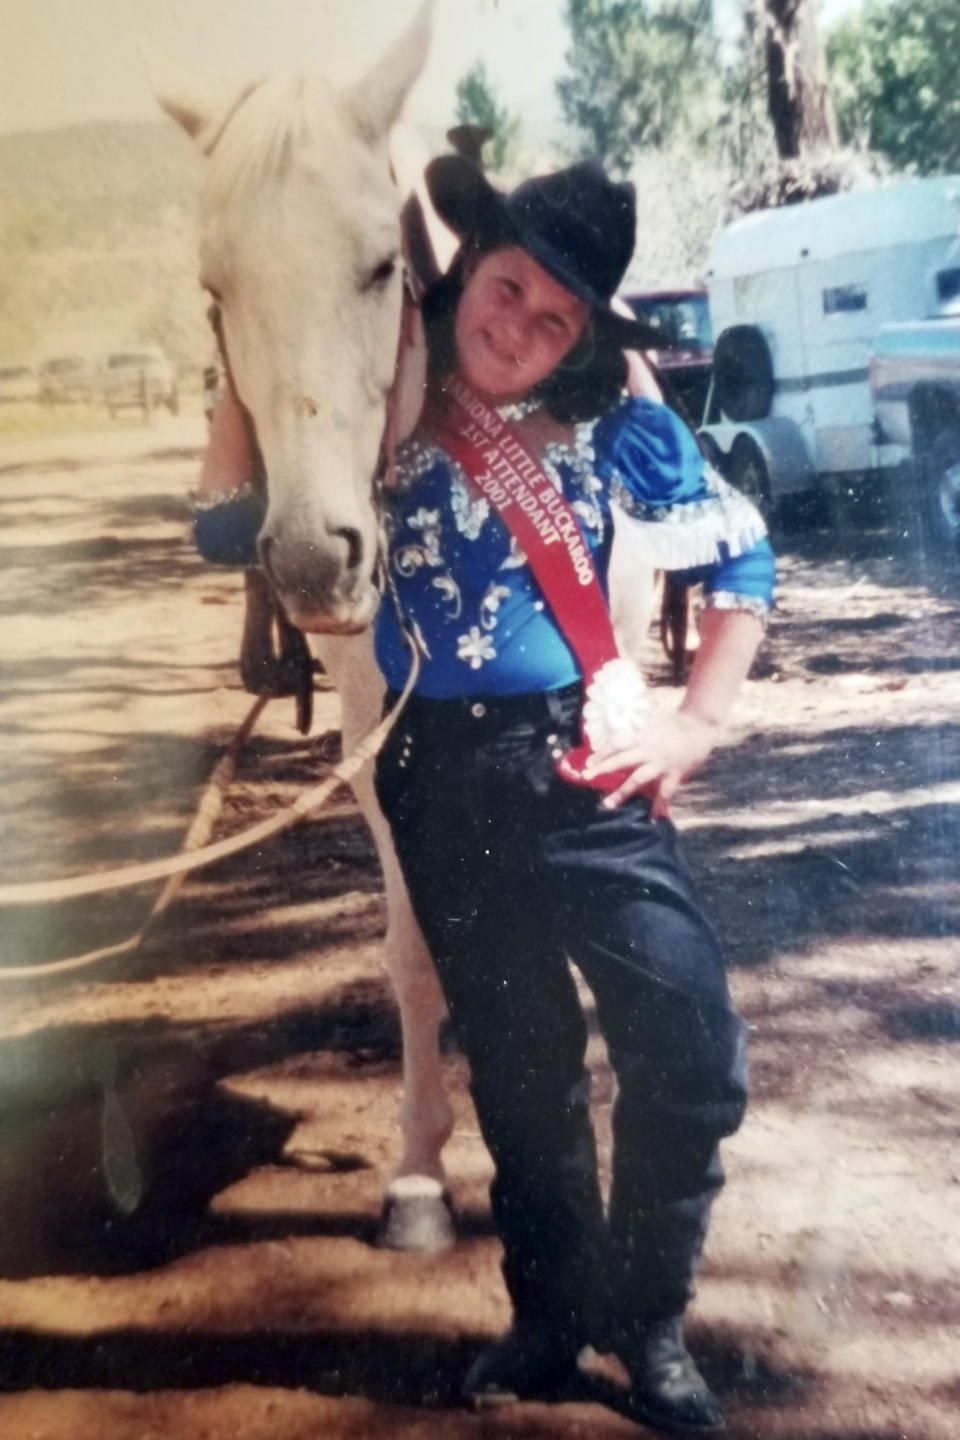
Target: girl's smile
point(514, 325)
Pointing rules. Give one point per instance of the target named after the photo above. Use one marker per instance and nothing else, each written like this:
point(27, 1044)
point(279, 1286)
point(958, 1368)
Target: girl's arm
point(672, 746)
point(229, 507)
point(228, 463)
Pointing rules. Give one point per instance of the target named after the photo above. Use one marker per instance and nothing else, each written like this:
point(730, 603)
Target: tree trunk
point(798, 97)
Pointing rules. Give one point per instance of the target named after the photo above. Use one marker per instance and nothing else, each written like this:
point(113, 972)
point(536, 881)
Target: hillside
point(97, 240)
point(101, 179)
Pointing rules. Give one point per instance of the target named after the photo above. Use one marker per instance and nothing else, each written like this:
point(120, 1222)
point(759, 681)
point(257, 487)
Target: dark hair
point(587, 384)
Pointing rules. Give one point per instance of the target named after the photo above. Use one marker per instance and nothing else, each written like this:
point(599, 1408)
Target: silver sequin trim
point(731, 600)
point(213, 501)
point(416, 457)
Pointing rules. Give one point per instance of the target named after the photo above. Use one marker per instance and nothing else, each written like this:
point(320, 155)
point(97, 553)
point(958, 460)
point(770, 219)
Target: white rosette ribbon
point(616, 707)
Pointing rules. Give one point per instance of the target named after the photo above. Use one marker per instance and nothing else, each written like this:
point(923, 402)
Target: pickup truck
point(143, 377)
point(915, 388)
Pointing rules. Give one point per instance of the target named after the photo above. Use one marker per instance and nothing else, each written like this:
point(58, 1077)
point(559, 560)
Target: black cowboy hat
point(577, 223)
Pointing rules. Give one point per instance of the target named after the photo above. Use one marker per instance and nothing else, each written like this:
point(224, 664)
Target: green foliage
point(639, 75)
point(895, 71)
point(477, 105)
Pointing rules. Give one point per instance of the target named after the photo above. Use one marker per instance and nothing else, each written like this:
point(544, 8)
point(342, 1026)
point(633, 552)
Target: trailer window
point(948, 284)
point(839, 299)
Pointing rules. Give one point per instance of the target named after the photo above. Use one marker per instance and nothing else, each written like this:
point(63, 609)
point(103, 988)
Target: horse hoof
point(416, 1216)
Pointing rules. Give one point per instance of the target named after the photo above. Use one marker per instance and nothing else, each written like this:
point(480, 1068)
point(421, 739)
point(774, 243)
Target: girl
point(520, 851)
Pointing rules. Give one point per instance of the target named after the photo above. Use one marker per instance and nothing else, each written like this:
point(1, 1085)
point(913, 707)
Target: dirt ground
point(249, 1051)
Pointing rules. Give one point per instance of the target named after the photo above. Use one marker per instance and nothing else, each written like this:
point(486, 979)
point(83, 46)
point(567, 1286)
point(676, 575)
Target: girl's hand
point(670, 747)
point(668, 750)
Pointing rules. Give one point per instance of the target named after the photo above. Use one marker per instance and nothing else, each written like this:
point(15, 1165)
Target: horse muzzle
point(337, 620)
point(323, 585)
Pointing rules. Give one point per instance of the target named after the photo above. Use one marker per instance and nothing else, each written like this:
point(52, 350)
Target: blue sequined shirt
point(461, 577)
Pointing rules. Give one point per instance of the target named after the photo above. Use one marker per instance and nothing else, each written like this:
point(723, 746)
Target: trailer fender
point(781, 443)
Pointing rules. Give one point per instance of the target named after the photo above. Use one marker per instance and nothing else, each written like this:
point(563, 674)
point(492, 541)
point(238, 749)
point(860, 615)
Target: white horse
point(300, 248)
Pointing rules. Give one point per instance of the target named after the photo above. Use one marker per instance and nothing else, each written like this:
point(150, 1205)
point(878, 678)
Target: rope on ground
point(195, 853)
point(199, 831)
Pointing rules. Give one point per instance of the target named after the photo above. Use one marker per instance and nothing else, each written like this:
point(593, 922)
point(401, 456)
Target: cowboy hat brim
point(473, 209)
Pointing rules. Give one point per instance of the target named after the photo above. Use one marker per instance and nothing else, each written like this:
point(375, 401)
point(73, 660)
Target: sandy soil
point(195, 1140)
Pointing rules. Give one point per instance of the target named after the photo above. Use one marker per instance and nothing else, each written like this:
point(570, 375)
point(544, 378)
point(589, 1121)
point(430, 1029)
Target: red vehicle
point(684, 318)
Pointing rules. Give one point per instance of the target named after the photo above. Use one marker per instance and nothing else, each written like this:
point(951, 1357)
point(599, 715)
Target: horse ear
point(189, 111)
point(192, 110)
point(377, 98)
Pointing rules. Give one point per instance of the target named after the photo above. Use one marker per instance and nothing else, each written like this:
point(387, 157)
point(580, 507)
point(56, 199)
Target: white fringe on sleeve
point(690, 533)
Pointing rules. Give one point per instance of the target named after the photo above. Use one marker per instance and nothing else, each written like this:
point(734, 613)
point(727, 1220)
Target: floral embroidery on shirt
point(469, 511)
point(451, 590)
point(475, 647)
point(408, 559)
point(428, 521)
point(490, 604)
point(516, 558)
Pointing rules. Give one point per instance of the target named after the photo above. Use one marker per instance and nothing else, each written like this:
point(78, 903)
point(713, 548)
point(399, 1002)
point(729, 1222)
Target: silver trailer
point(796, 297)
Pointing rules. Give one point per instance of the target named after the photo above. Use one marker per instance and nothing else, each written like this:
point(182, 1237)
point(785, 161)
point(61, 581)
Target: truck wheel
point(743, 373)
point(746, 469)
point(942, 489)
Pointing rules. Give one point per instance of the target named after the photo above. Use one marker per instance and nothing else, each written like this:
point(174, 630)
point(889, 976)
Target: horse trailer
point(796, 297)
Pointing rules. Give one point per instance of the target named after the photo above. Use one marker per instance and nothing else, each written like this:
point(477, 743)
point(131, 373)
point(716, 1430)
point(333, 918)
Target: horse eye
point(381, 274)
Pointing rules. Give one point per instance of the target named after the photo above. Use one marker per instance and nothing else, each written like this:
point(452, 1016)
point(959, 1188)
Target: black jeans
point(511, 871)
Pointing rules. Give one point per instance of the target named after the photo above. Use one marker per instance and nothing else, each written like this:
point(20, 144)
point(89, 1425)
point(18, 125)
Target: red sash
point(498, 464)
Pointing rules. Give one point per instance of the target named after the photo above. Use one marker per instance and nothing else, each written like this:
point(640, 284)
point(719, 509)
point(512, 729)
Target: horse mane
point(270, 122)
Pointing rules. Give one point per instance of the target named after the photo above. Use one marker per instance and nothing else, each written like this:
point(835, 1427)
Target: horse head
point(300, 253)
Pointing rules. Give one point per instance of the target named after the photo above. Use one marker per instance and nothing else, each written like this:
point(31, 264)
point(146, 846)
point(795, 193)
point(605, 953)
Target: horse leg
point(674, 624)
point(632, 589)
point(416, 1214)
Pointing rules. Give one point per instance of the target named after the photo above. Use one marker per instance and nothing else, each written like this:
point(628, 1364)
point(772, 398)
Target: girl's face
point(513, 326)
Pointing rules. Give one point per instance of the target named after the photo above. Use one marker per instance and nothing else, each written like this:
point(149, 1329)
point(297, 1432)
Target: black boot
point(667, 1390)
point(530, 1362)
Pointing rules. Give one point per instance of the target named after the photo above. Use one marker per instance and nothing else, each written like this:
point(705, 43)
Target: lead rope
point(195, 852)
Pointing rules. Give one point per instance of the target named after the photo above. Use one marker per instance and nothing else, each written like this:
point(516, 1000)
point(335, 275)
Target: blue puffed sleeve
point(689, 518)
point(651, 453)
point(225, 531)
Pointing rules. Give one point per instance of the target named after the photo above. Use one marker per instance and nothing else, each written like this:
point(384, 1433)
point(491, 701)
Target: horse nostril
point(354, 543)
